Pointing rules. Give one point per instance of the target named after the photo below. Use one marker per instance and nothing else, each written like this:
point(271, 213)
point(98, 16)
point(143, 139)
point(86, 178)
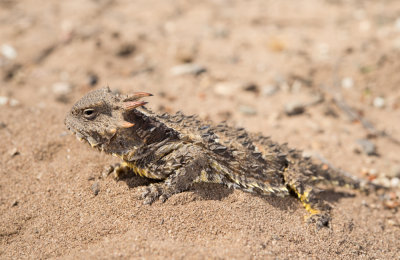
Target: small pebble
point(186, 53)
point(227, 89)
point(385, 182)
point(250, 87)
point(125, 50)
point(8, 51)
point(373, 172)
point(15, 203)
point(95, 188)
point(93, 79)
point(391, 222)
point(394, 182)
point(61, 88)
point(379, 102)
point(391, 204)
point(3, 100)
point(397, 24)
point(394, 172)
point(347, 83)
point(14, 152)
point(11, 101)
point(307, 154)
point(316, 99)
point(328, 110)
point(269, 90)
point(247, 110)
point(188, 69)
point(39, 175)
point(294, 108)
point(367, 147)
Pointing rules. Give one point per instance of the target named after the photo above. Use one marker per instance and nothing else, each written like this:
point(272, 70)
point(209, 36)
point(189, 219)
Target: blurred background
point(283, 68)
point(322, 75)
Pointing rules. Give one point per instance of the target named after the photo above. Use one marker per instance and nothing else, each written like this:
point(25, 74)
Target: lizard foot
point(118, 171)
point(320, 220)
point(155, 191)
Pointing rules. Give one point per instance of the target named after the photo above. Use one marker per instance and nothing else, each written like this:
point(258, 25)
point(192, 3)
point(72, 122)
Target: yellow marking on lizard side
point(141, 171)
point(203, 177)
point(304, 200)
point(137, 170)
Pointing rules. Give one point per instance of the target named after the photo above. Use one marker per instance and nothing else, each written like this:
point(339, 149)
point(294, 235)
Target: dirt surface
point(252, 58)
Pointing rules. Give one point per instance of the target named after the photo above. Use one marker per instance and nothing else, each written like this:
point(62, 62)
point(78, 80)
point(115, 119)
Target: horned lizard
point(181, 150)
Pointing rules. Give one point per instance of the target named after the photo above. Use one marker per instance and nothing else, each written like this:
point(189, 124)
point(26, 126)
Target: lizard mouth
point(90, 140)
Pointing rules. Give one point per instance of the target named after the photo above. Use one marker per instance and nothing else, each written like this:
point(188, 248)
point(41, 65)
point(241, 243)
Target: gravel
point(379, 102)
point(188, 69)
point(367, 147)
point(294, 108)
point(8, 51)
point(62, 88)
point(95, 188)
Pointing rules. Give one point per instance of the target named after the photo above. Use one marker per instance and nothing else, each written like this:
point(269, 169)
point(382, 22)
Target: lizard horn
point(136, 96)
point(133, 104)
point(125, 124)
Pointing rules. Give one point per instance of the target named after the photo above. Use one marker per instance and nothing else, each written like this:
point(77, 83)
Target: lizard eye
point(89, 113)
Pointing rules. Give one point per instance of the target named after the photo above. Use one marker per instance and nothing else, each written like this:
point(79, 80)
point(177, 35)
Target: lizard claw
point(153, 192)
point(118, 171)
point(150, 194)
point(320, 220)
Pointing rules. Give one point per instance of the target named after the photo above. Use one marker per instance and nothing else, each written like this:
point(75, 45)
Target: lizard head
point(100, 114)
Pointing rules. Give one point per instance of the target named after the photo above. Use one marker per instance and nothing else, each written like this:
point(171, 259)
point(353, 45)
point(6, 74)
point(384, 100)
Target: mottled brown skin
point(181, 150)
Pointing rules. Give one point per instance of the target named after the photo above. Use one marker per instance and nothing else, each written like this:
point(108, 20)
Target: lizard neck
point(147, 132)
point(149, 129)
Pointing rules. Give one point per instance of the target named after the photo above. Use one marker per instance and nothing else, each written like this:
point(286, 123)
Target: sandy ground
point(258, 56)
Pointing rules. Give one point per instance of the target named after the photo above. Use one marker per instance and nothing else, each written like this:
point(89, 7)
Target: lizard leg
point(118, 171)
point(318, 210)
point(177, 182)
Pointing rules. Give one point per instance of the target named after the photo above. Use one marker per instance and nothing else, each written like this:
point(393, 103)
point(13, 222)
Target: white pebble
point(227, 89)
point(397, 24)
point(8, 51)
point(189, 68)
point(394, 182)
point(347, 83)
point(61, 88)
point(3, 100)
point(247, 110)
point(373, 172)
point(379, 102)
point(294, 108)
